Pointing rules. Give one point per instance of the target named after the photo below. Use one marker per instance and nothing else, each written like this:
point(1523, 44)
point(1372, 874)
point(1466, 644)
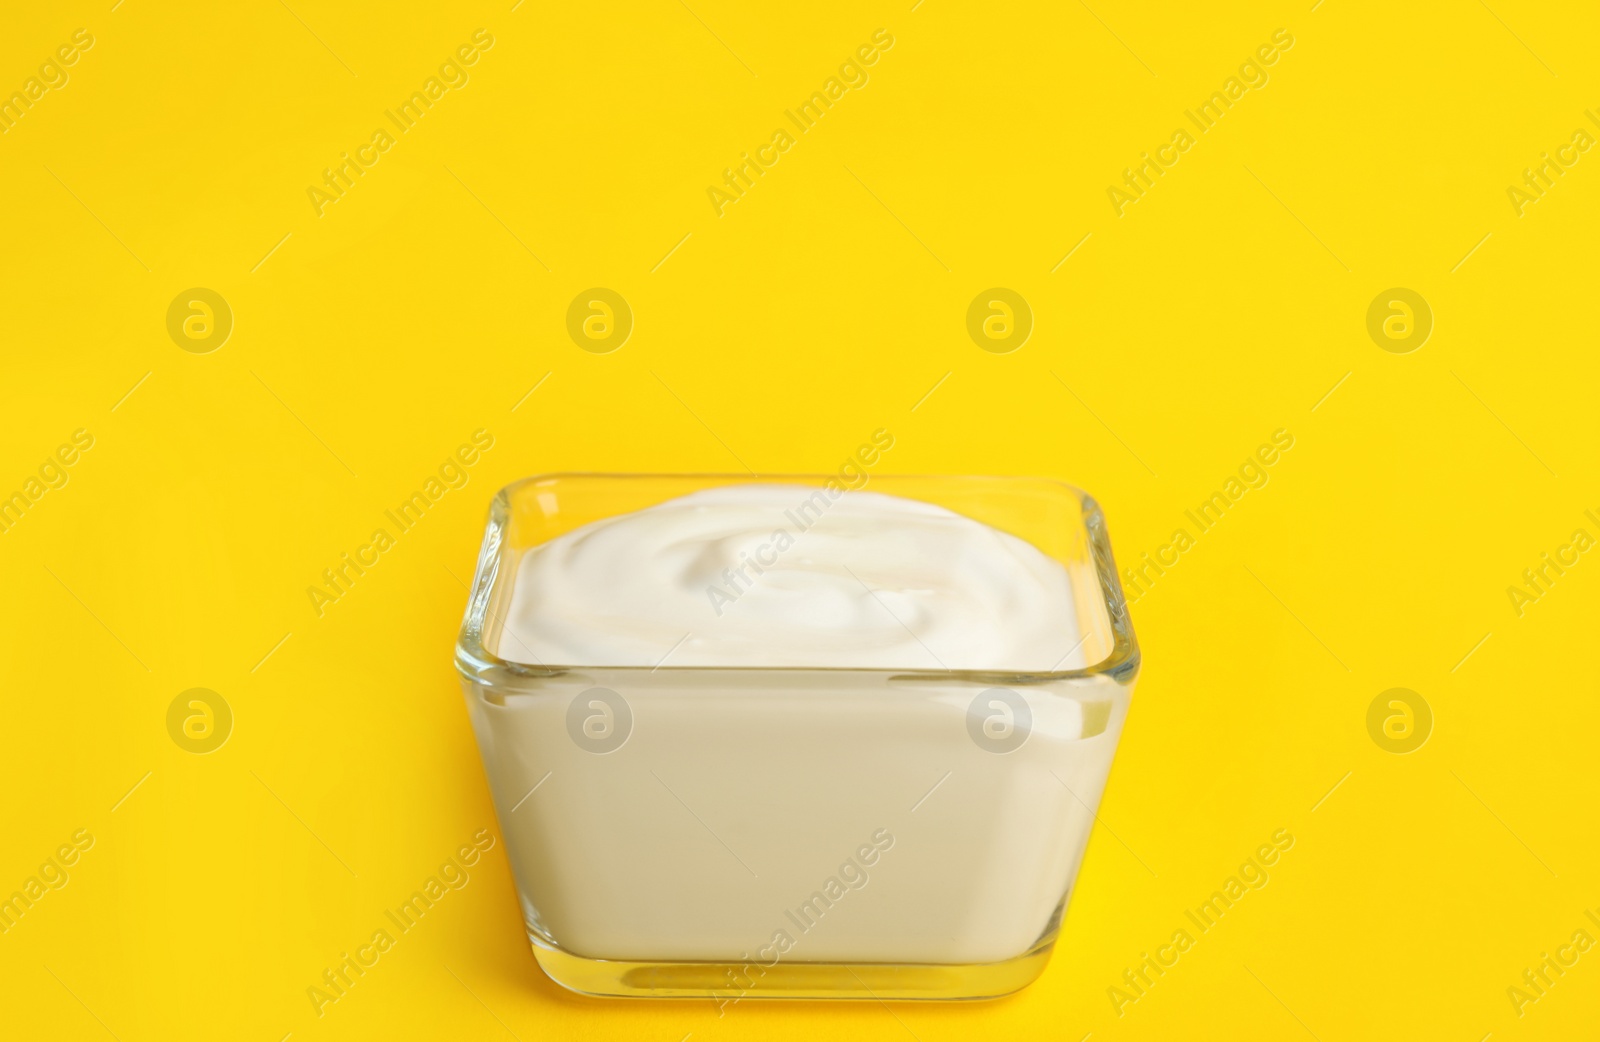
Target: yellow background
point(824, 304)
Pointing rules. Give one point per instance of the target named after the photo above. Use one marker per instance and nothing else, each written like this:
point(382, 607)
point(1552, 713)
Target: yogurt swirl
point(792, 576)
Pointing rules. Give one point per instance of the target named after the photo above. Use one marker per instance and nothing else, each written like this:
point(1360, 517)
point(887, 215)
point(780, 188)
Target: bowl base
point(728, 983)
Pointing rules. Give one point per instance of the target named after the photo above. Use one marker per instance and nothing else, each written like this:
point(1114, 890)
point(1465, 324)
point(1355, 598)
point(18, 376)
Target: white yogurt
point(803, 816)
point(787, 575)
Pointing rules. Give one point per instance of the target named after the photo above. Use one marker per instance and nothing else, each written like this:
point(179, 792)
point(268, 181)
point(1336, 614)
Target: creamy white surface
point(875, 582)
point(785, 782)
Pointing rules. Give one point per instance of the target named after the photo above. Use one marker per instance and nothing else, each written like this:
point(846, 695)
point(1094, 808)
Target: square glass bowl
point(734, 832)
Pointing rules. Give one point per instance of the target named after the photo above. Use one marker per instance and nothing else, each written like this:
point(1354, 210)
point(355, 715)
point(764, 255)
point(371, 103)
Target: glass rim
point(479, 665)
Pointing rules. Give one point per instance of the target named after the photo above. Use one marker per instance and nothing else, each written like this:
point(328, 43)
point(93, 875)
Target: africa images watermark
point(1541, 177)
point(52, 474)
point(1541, 578)
point(451, 475)
point(52, 75)
point(1252, 76)
point(1543, 975)
point(852, 477)
point(52, 875)
point(1253, 875)
point(338, 979)
point(852, 75)
point(452, 76)
point(852, 875)
point(1253, 473)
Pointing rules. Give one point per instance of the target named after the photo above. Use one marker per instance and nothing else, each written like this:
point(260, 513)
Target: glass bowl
point(739, 833)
